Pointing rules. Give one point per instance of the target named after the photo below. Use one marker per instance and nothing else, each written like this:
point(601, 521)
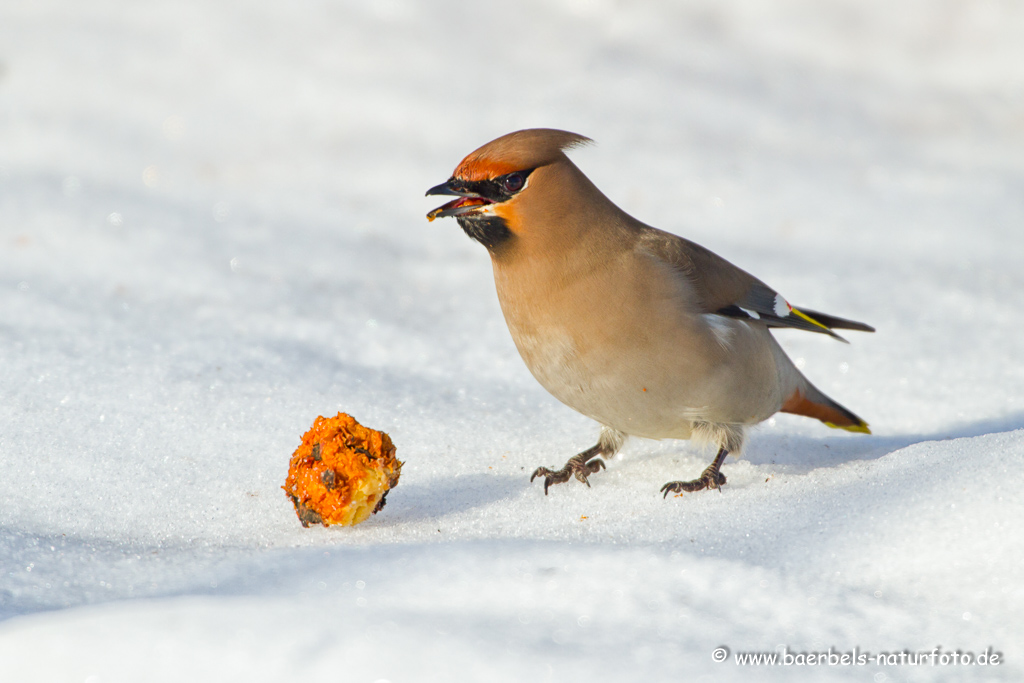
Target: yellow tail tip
point(811, 320)
point(861, 428)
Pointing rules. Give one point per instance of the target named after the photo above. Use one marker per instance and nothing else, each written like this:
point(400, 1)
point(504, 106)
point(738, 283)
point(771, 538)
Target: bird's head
point(491, 183)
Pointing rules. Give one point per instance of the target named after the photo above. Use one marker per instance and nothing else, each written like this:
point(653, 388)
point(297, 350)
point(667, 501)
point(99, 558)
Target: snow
point(212, 230)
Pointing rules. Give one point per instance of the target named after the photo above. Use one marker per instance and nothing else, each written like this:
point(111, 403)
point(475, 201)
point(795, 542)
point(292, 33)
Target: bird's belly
point(626, 393)
point(655, 387)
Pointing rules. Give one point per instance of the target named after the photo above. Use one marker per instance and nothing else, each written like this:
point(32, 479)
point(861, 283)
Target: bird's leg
point(710, 478)
point(581, 465)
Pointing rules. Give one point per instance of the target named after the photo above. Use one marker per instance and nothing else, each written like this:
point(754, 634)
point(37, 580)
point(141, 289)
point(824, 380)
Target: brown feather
point(519, 151)
point(716, 282)
point(823, 408)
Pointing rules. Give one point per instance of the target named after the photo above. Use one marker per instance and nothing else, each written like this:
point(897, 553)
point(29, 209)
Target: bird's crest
point(519, 151)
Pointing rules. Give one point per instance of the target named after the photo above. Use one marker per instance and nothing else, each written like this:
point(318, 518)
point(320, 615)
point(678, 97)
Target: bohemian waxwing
point(646, 332)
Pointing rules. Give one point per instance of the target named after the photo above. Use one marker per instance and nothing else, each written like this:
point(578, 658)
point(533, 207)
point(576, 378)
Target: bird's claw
point(710, 478)
point(576, 466)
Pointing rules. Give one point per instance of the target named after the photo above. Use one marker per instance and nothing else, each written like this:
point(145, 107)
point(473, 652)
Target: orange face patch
point(475, 168)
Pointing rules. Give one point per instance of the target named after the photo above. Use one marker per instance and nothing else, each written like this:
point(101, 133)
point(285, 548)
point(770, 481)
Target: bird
point(645, 332)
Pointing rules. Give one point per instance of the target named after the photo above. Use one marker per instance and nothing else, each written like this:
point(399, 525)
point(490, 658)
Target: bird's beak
point(467, 201)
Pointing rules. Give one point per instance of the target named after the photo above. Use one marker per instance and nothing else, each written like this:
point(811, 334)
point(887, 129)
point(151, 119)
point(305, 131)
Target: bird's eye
point(513, 182)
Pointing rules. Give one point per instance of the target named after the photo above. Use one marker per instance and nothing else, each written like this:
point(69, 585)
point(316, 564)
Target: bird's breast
point(627, 352)
point(604, 349)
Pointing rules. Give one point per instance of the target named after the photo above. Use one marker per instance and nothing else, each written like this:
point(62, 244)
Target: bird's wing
point(726, 290)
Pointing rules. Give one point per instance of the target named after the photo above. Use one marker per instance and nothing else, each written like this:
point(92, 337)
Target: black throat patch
point(490, 231)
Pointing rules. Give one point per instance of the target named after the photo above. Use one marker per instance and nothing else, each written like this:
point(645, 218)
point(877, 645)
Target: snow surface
point(212, 231)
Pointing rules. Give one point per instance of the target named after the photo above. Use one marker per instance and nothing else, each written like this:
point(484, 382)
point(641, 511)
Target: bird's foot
point(710, 478)
point(582, 466)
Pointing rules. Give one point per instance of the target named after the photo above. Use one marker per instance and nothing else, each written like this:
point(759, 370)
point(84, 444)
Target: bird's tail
point(834, 322)
point(811, 402)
